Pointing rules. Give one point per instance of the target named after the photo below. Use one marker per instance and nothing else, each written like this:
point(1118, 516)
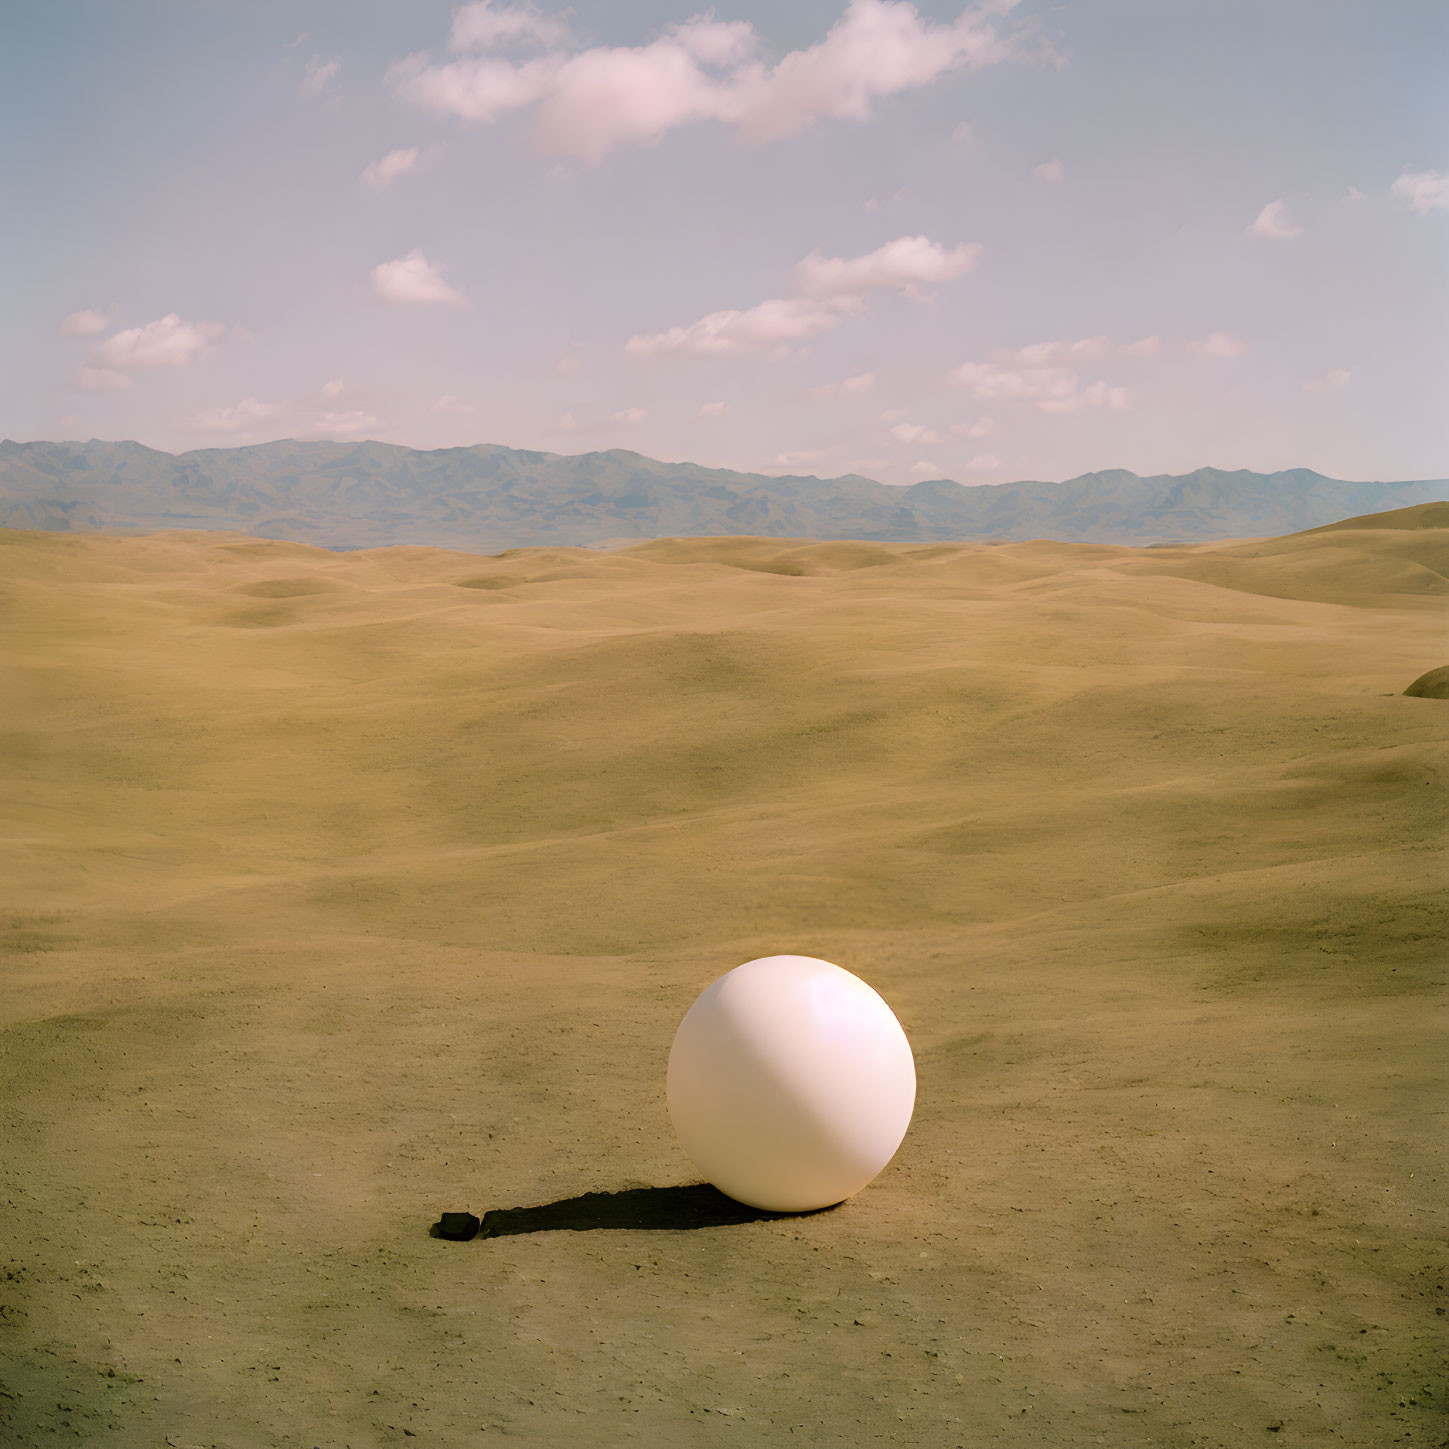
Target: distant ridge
point(488, 498)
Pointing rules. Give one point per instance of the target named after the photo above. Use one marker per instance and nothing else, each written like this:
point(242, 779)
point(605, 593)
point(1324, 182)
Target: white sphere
point(791, 1083)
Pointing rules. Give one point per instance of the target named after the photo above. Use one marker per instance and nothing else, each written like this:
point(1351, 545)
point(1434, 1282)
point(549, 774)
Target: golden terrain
point(346, 888)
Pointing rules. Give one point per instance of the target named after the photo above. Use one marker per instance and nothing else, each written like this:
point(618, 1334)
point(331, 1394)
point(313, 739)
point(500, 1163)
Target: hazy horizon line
point(689, 462)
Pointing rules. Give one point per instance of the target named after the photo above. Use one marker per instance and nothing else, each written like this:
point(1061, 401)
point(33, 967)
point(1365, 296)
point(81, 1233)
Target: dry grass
point(342, 889)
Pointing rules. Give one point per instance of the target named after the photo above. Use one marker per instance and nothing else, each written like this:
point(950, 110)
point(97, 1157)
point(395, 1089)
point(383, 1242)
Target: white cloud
point(985, 463)
point(979, 429)
point(990, 382)
point(102, 379)
point(1086, 349)
point(768, 325)
point(614, 422)
point(1051, 171)
point(1330, 381)
point(712, 410)
point(1275, 222)
point(240, 418)
point(914, 433)
point(877, 48)
point(475, 90)
point(1425, 191)
point(874, 203)
point(85, 323)
point(349, 423)
point(380, 174)
point(1052, 389)
point(833, 287)
point(1094, 395)
point(412, 279)
point(166, 342)
point(566, 365)
point(593, 100)
point(905, 264)
point(1045, 354)
point(485, 26)
point(924, 469)
point(804, 455)
point(449, 403)
point(1219, 344)
point(318, 76)
point(848, 387)
point(333, 387)
point(963, 138)
point(1143, 347)
point(1354, 194)
point(603, 98)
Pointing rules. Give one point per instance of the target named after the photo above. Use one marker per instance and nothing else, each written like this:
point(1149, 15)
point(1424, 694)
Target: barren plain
point(343, 889)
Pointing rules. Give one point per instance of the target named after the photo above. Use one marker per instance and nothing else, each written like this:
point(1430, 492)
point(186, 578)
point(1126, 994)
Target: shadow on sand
point(651, 1208)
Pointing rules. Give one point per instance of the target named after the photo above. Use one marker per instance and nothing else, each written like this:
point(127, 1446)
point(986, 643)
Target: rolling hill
point(341, 889)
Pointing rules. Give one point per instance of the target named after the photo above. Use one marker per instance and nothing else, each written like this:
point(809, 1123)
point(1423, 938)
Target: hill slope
point(342, 889)
point(487, 498)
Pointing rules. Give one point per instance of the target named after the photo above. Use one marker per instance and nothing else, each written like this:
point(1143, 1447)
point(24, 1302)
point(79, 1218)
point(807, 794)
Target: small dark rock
point(460, 1227)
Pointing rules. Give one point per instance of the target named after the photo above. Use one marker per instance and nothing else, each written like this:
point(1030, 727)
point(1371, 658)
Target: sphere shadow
point(667, 1209)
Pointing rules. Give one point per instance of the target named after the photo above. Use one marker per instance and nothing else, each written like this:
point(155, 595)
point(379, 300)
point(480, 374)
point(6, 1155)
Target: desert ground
point(342, 889)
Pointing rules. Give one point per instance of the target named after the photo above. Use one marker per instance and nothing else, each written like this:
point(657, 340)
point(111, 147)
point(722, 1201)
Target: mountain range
point(488, 498)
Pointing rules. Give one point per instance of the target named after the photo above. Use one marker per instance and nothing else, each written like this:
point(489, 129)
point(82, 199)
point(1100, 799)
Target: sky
point(984, 243)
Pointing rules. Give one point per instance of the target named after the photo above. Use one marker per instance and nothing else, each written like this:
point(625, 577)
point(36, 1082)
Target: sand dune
point(345, 888)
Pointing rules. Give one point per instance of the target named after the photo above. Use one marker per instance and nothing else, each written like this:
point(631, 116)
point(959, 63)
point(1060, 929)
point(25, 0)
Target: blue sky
point(985, 244)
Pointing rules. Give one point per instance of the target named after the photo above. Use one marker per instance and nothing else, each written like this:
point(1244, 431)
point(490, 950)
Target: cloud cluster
point(588, 102)
point(1045, 374)
point(832, 289)
point(1425, 191)
point(166, 342)
point(485, 26)
point(1052, 389)
point(318, 416)
point(412, 278)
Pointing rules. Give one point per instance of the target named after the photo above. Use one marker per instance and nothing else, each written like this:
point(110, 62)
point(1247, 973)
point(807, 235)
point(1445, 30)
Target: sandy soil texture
point(344, 889)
